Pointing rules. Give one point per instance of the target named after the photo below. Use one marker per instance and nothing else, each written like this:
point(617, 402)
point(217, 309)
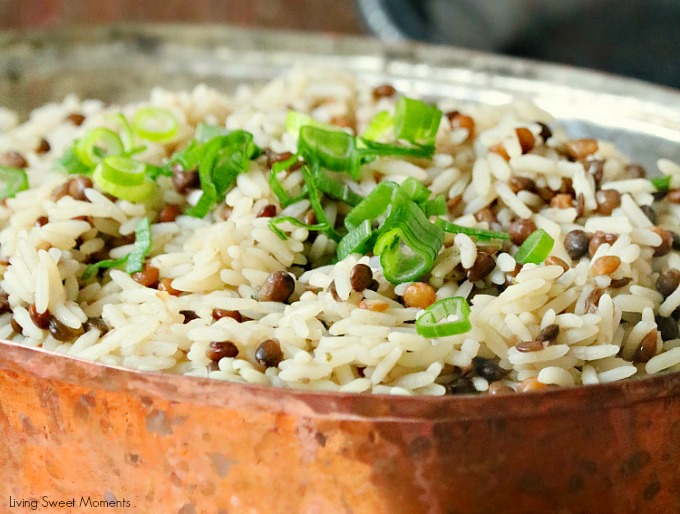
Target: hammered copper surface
point(169, 444)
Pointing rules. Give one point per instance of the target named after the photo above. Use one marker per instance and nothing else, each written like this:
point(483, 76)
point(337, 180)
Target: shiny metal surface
point(172, 444)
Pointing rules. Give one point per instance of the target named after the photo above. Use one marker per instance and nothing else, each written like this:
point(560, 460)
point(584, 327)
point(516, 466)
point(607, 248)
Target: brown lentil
point(454, 202)
point(310, 217)
point(43, 147)
point(384, 91)
point(488, 369)
point(673, 195)
point(595, 168)
point(218, 314)
point(63, 333)
point(360, 277)
point(556, 261)
point(580, 205)
point(520, 230)
point(96, 323)
point(277, 287)
point(635, 171)
point(530, 384)
point(545, 193)
point(666, 242)
point(218, 350)
point(77, 187)
point(561, 201)
point(668, 328)
point(647, 348)
point(461, 385)
point(373, 305)
point(168, 213)
point(165, 284)
point(4, 302)
point(76, 118)
point(269, 353)
point(334, 292)
point(15, 326)
point(184, 180)
point(148, 277)
point(593, 299)
point(268, 211)
point(420, 295)
point(649, 212)
point(188, 316)
point(499, 388)
point(578, 149)
point(548, 334)
point(374, 285)
point(529, 346)
point(484, 264)
point(41, 221)
point(607, 201)
point(500, 150)
point(487, 215)
point(668, 282)
point(598, 239)
point(518, 184)
point(39, 319)
point(546, 133)
point(526, 139)
point(462, 121)
point(606, 265)
point(13, 160)
point(618, 283)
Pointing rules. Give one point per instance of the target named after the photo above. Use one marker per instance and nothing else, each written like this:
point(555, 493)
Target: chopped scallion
point(378, 126)
point(105, 264)
point(332, 149)
point(356, 241)
point(436, 321)
point(12, 180)
point(123, 178)
point(275, 222)
point(408, 244)
point(416, 122)
point(479, 233)
point(536, 248)
point(141, 247)
point(155, 124)
point(336, 189)
point(97, 144)
point(661, 183)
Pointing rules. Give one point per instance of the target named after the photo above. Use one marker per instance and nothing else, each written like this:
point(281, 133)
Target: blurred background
point(637, 38)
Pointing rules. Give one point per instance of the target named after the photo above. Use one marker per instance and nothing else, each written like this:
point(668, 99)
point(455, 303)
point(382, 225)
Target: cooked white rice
point(340, 340)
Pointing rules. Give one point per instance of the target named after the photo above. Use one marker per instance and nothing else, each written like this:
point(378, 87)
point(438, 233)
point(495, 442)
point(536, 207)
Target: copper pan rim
point(46, 365)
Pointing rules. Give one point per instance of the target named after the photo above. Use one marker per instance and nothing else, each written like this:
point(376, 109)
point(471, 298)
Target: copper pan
point(155, 443)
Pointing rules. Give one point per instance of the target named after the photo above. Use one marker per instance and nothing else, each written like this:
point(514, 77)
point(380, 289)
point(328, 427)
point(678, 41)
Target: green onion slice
point(536, 248)
point(661, 183)
point(479, 233)
point(379, 125)
point(374, 149)
point(417, 122)
point(134, 261)
point(356, 241)
point(435, 321)
point(155, 124)
point(71, 163)
point(296, 120)
point(315, 201)
point(119, 176)
point(277, 188)
point(205, 132)
point(408, 244)
point(336, 189)
point(97, 144)
point(332, 149)
point(377, 206)
point(415, 190)
point(275, 222)
point(12, 180)
point(435, 207)
point(141, 248)
point(105, 264)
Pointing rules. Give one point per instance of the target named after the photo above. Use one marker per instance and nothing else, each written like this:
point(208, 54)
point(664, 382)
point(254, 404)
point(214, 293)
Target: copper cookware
point(155, 443)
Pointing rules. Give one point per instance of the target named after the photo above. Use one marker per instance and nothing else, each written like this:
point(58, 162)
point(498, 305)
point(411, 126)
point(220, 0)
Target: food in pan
point(320, 233)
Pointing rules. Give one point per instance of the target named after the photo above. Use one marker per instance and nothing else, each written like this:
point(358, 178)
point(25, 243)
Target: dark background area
point(637, 38)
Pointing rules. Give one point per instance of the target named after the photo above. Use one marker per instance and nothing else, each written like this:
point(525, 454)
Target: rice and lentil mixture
point(224, 296)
